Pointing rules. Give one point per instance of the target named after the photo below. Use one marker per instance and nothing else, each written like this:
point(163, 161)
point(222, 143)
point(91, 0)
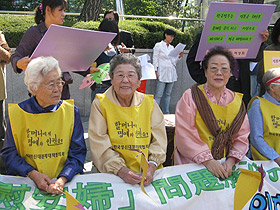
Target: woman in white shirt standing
point(165, 68)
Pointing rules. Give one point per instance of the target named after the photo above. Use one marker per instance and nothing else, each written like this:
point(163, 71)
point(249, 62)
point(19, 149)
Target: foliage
point(145, 33)
point(30, 5)
point(163, 8)
point(26, 5)
point(14, 27)
point(6, 5)
point(90, 25)
point(75, 5)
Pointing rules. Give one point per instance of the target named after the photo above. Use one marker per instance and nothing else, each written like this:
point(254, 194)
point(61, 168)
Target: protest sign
point(189, 186)
point(75, 49)
point(236, 27)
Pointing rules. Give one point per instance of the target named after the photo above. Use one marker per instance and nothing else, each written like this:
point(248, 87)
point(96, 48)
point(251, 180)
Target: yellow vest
point(129, 128)
point(223, 114)
point(43, 140)
point(271, 127)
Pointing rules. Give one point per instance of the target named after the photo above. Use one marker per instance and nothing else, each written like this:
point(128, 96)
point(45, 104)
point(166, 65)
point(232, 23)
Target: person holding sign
point(165, 67)
point(275, 46)
point(45, 136)
point(263, 116)
point(49, 12)
point(211, 120)
point(107, 25)
point(123, 120)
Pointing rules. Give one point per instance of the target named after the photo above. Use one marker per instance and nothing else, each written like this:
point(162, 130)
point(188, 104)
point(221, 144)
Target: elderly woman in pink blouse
point(211, 120)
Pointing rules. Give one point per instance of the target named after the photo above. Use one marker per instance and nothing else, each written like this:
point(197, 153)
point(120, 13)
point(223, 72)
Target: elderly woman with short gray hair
point(124, 122)
point(264, 115)
point(44, 138)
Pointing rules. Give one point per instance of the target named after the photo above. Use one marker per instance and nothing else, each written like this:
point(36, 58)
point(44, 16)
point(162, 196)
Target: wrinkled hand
point(129, 176)
point(228, 164)
point(57, 187)
point(123, 48)
point(265, 35)
point(150, 174)
point(181, 54)
point(23, 62)
point(41, 180)
point(215, 168)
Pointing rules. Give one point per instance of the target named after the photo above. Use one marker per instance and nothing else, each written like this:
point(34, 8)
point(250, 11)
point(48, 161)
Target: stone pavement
point(88, 163)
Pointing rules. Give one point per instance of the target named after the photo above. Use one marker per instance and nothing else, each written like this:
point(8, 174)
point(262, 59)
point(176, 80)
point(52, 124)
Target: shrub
point(14, 27)
point(145, 33)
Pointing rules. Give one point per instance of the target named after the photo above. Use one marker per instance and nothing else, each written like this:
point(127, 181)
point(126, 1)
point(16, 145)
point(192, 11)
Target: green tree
point(26, 5)
point(6, 5)
point(75, 5)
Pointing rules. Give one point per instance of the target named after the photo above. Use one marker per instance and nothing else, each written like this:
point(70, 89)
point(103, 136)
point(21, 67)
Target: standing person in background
point(49, 12)
point(275, 46)
point(165, 68)
point(107, 25)
point(126, 40)
point(5, 55)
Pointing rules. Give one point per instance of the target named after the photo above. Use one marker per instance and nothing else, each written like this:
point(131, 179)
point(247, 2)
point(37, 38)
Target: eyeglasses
point(130, 76)
point(53, 85)
point(215, 70)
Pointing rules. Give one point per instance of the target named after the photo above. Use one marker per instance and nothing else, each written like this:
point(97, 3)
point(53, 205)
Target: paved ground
point(88, 163)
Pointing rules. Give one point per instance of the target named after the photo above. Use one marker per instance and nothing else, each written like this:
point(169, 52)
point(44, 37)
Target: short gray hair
point(269, 75)
point(37, 69)
point(125, 58)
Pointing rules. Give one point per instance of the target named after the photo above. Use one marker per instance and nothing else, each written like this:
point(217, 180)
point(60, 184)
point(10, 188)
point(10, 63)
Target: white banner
point(181, 187)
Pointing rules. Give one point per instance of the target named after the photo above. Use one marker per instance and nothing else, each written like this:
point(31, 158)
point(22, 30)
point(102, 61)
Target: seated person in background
point(211, 120)
point(262, 113)
point(45, 137)
point(122, 119)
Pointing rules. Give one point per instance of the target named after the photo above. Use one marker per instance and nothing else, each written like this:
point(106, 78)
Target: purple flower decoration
point(260, 169)
point(80, 206)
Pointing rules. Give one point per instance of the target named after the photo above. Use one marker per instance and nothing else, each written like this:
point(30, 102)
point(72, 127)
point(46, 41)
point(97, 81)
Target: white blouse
point(164, 65)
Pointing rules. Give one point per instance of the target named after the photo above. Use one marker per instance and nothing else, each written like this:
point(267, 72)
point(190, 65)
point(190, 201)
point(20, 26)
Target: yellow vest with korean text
point(271, 127)
point(129, 128)
point(43, 139)
point(223, 114)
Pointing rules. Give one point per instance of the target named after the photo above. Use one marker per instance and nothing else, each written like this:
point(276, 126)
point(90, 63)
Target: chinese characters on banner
point(173, 187)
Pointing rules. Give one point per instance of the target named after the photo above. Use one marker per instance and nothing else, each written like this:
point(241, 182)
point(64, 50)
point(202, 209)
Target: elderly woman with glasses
point(211, 120)
point(44, 138)
point(264, 120)
point(123, 120)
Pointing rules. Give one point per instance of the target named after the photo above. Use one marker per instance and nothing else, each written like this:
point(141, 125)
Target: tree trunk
point(90, 10)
